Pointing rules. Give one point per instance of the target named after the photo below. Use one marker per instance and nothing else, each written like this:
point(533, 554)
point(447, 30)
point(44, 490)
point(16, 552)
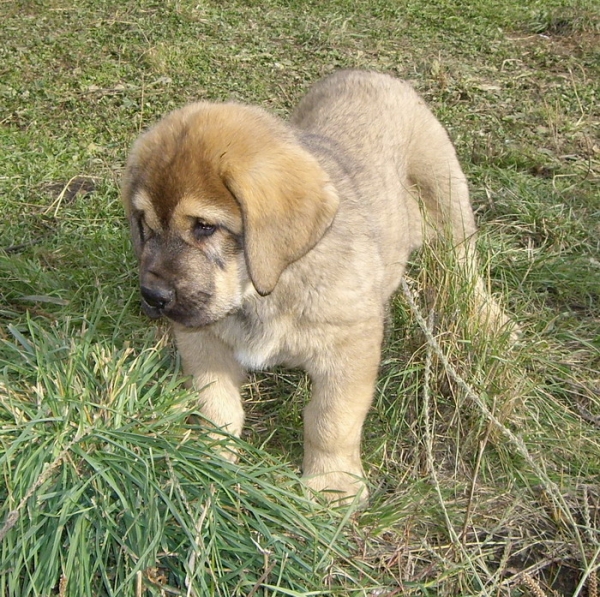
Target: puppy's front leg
point(216, 375)
point(343, 387)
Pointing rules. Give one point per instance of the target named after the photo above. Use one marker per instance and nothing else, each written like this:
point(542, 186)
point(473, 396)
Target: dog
point(271, 243)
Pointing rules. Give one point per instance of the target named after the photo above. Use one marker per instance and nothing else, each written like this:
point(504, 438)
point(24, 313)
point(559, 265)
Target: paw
point(339, 488)
point(226, 449)
point(217, 440)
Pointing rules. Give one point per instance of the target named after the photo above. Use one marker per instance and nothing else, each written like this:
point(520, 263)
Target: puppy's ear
point(128, 186)
point(287, 202)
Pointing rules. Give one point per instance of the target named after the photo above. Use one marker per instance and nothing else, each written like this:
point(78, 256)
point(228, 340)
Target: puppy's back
point(358, 108)
point(405, 164)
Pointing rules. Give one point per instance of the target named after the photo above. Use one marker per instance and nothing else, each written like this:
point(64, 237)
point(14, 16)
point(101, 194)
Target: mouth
point(152, 312)
point(186, 318)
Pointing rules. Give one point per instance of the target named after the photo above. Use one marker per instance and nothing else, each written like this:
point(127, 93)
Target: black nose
point(157, 297)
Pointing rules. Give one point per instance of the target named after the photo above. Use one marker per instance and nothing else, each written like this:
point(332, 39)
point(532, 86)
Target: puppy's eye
point(202, 229)
point(142, 228)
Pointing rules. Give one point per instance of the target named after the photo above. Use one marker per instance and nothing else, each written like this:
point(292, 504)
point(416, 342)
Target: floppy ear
point(287, 203)
point(129, 183)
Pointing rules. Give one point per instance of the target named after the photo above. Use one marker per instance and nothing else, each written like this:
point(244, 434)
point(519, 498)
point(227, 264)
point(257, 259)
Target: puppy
point(267, 243)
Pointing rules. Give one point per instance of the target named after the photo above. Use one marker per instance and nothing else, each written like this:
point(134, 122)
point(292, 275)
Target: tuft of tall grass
point(109, 489)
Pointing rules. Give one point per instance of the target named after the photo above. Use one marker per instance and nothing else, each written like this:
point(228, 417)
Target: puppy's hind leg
point(442, 191)
point(486, 313)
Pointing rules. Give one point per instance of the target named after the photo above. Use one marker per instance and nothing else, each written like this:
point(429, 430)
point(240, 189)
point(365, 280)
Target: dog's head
point(220, 198)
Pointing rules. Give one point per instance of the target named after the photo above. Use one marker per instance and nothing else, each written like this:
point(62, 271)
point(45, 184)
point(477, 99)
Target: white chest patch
point(254, 358)
point(255, 347)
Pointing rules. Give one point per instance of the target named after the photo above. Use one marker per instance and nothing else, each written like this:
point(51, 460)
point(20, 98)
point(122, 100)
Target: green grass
point(484, 459)
point(110, 488)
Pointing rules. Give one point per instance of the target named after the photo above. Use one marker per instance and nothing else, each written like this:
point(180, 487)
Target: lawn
point(483, 456)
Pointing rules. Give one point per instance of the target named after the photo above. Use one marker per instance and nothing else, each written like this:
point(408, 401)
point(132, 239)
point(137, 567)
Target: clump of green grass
point(109, 490)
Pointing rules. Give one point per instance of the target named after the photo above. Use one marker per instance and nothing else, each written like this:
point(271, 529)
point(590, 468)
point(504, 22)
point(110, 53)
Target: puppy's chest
point(261, 341)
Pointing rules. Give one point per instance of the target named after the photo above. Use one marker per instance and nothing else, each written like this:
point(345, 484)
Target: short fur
point(269, 243)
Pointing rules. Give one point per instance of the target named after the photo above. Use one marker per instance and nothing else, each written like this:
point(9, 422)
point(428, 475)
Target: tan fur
point(313, 225)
